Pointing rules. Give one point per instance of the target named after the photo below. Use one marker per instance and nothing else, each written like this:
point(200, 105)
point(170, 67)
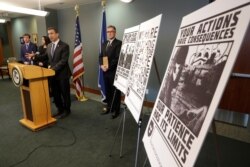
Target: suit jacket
point(32, 48)
point(41, 56)
point(112, 52)
point(59, 61)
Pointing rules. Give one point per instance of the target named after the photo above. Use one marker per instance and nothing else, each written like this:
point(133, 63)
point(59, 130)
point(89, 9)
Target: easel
point(122, 122)
point(140, 120)
point(217, 148)
point(138, 141)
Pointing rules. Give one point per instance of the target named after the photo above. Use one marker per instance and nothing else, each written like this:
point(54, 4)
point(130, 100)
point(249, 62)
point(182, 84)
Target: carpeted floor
point(84, 139)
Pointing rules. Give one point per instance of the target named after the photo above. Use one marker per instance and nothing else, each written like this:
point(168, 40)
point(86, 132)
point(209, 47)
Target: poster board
point(125, 58)
point(141, 65)
point(202, 59)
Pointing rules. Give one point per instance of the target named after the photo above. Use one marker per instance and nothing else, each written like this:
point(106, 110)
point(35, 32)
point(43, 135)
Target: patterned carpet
point(85, 139)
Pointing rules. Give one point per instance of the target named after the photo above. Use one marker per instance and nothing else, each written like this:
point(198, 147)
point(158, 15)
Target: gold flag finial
point(103, 3)
point(77, 9)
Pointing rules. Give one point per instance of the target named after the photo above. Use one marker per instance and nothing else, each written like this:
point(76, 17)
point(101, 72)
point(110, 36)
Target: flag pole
point(82, 97)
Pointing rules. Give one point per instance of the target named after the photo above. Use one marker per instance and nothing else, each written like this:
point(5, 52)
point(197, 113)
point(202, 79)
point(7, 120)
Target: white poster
point(125, 58)
point(205, 50)
point(141, 65)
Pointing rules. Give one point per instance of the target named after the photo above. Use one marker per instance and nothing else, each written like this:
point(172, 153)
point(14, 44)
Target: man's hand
point(29, 55)
point(104, 68)
point(40, 64)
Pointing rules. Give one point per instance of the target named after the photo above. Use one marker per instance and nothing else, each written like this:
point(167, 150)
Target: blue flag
point(103, 38)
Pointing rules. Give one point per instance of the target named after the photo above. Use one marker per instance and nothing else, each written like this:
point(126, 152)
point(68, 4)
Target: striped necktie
point(108, 45)
point(52, 49)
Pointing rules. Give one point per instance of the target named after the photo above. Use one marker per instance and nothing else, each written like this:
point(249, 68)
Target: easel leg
point(138, 142)
point(123, 127)
point(112, 102)
point(217, 148)
point(122, 121)
point(145, 162)
point(116, 134)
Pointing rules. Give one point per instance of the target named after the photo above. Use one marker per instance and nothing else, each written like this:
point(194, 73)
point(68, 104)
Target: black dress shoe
point(65, 114)
point(115, 115)
point(104, 113)
point(57, 114)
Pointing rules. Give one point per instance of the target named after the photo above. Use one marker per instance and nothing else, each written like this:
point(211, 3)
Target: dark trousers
point(61, 93)
point(113, 95)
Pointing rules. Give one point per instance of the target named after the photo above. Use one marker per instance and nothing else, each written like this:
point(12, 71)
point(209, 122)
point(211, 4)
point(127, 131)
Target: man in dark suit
point(27, 48)
point(58, 54)
point(110, 51)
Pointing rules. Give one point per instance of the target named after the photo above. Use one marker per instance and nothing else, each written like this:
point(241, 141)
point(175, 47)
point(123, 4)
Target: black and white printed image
point(191, 80)
point(141, 67)
point(126, 56)
point(206, 47)
point(143, 54)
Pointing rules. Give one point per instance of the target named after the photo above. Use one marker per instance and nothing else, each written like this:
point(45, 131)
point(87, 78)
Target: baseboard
point(97, 92)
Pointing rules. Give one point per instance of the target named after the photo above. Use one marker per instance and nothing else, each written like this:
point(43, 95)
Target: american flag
point(78, 67)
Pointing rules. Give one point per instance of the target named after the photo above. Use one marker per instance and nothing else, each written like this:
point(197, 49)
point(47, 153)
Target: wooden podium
point(33, 84)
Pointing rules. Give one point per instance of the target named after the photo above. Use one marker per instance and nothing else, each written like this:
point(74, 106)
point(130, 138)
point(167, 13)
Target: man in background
point(58, 54)
point(108, 61)
point(27, 48)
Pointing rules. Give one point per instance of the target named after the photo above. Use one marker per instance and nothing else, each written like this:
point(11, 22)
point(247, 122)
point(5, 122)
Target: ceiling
point(34, 4)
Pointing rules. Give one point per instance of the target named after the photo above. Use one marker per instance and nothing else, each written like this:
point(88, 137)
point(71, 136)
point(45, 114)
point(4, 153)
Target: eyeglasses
point(110, 31)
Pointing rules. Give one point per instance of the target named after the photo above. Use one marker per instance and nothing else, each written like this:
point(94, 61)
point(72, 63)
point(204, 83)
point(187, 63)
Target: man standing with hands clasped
point(58, 54)
point(108, 61)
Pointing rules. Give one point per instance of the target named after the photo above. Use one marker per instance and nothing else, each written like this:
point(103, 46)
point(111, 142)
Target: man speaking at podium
point(58, 54)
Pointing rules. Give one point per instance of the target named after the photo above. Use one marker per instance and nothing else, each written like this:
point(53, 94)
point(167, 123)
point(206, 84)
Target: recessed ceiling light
point(127, 1)
point(11, 8)
point(2, 20)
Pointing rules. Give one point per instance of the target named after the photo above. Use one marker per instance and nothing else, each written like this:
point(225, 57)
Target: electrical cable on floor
point(49, 146)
